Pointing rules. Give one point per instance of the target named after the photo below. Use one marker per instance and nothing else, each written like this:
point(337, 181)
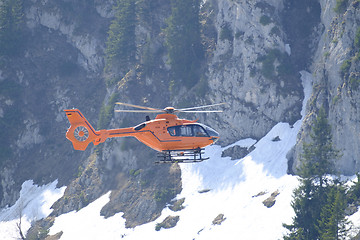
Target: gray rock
point(219, 219)
point(169, 222)
point(270, 201)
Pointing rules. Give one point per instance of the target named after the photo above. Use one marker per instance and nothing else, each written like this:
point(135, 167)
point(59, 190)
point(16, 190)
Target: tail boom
point(81, 133)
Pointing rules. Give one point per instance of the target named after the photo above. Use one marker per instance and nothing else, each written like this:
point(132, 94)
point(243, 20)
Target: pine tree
point(183, 41)
point(303, 227)
point(120, 45)
point(354, 192)
point(332, 222)
point(311, 201)
point(318, 155)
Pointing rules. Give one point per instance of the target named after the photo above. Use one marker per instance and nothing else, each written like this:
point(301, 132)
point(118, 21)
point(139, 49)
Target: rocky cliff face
point(254, 52)
point(251, 69)
point(58, 67)
point(62, 67)
point(335, 70)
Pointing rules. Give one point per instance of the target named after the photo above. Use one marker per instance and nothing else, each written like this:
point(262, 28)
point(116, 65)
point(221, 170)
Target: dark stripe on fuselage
point(150, 132)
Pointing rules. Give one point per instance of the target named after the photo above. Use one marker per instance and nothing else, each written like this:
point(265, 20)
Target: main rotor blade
point(205, 106)
point(137, 106)
point(201, 111)
point(140, 111)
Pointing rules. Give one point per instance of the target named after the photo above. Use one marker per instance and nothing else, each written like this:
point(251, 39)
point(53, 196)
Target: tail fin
point(80, 133)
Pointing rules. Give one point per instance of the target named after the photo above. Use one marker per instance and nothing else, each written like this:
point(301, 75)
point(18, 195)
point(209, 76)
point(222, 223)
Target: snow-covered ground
point(33, 204)
point(234, 188)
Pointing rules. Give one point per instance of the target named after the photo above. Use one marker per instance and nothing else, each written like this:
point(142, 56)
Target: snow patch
point(288, 49)
point(88, 224)
point(33, 204)
point(355, 219)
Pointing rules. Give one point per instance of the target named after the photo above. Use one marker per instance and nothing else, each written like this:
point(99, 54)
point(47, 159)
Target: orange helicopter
point(176, 140)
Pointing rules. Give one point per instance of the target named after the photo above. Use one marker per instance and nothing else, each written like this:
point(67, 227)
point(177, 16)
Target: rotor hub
point(169, 110)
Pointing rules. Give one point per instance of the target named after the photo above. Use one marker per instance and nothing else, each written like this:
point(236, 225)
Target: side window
point(186, 131)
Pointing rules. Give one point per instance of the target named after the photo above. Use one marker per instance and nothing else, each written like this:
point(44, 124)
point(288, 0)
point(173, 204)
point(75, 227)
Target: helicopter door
point(188, 131)
point(181, 131)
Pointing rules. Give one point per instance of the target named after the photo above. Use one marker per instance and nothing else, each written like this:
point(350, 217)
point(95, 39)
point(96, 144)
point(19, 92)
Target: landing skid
point(181, 156)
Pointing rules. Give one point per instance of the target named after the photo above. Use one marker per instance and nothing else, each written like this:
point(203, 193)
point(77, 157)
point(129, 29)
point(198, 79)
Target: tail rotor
point(80, 133)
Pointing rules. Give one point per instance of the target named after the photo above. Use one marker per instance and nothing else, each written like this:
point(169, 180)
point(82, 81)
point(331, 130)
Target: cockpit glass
point(192, 130)
point(211, 131)
point(186, 131)
point(172, 131)
point(199, 131)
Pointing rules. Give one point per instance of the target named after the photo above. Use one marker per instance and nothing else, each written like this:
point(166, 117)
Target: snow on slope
point(88, 224)
point(34, 204)
point(234, 191)
point(232, 184)
point(237, 190)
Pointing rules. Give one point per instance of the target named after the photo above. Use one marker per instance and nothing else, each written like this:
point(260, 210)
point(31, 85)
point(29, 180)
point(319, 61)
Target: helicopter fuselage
point(165, 133)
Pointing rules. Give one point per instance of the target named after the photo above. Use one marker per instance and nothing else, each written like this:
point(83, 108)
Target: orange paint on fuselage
point(153, 133)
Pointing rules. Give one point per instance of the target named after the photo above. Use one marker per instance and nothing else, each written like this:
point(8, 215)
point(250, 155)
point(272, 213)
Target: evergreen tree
point(354, 192)
point(318, 155)
point(314, 214)
point(120, 45)
point(145, 9)
point(183, 41)
point(304, 222)
point(11, 24)
point(332, 222)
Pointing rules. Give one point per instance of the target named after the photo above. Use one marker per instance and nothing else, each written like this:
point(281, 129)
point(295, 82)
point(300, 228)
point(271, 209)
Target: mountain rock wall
point(245, 70)
point(254, 51)
point(59, 66)
point(336, 74)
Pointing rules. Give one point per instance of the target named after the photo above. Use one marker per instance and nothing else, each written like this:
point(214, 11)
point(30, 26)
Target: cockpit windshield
point(211, 131)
